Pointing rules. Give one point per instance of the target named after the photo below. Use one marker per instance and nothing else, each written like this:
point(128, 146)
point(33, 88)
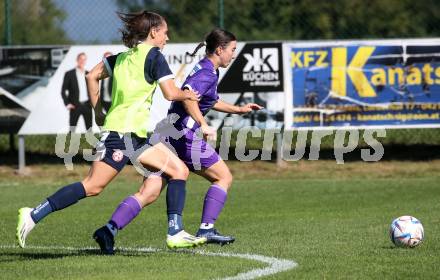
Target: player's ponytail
point(216, 38)
point(200, 45)
point(137, 26)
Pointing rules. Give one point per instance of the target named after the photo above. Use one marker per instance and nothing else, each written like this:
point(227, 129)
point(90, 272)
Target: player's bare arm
point(193, 109)
point(93, 77)
point(222, 106)
point(173, 93)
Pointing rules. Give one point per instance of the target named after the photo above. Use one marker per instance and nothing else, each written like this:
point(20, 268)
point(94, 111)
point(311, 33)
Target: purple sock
point(126, 212)
point(215, 199)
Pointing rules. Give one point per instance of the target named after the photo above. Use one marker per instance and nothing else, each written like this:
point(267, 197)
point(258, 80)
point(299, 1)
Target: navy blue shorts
point(113, 150)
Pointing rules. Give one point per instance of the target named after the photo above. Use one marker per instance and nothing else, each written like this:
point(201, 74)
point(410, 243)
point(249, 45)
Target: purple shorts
point(194, 151)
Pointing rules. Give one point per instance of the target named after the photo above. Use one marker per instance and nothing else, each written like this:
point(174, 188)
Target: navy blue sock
point(41, 211)
point(63, 198)
point(175, 224)
point(176, 194)
point(67, 196)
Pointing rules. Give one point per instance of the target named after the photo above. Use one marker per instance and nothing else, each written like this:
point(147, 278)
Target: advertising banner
point(256, 75)
point(39, 78)
point(47, 100)
point(363, 84)
point(257, 68)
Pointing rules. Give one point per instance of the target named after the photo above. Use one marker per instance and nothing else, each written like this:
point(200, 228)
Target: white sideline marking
point(274, 265)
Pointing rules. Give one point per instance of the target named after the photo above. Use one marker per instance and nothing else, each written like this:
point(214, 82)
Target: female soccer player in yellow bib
point(136, 74)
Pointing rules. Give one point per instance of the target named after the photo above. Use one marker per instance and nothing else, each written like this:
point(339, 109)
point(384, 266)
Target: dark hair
point(81, 54)
point(216, 38)
point(137, 26)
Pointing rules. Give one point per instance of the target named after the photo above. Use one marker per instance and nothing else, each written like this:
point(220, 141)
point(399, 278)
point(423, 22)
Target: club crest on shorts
point(118, 155)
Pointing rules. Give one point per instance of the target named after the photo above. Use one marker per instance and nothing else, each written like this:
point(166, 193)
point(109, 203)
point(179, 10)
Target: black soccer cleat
point(213, 236)
point(105, 239)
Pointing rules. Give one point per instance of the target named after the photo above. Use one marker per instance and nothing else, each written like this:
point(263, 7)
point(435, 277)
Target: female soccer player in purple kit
point(194, 151)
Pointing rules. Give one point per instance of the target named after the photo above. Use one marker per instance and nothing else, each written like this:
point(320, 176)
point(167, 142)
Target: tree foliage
point(36, 22)
point(189, 20)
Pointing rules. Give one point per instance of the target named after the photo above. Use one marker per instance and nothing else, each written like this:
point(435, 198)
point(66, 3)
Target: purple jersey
point(203, 79)
point(191, 148)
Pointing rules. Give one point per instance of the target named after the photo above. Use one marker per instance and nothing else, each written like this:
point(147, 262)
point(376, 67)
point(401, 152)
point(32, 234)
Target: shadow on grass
point(23, 256)
point(391, 247)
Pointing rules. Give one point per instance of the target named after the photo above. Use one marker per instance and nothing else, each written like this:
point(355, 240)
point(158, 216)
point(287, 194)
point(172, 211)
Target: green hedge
point(401, 137)
point(45, 144)
point(42, 144)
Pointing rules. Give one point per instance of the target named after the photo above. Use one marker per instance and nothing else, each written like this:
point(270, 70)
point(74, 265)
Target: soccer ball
point(406, 231)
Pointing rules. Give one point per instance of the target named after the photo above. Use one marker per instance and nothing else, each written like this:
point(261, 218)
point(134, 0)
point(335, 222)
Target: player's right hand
point(70, 107)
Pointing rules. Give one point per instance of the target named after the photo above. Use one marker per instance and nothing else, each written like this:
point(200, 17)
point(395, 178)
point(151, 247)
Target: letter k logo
point(354, 70)
point(265, 59)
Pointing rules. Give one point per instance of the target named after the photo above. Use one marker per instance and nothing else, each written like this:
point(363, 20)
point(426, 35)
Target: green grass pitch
point(332, 220)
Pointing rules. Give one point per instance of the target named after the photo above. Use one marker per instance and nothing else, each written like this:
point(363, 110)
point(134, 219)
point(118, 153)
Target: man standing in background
point(74, 94)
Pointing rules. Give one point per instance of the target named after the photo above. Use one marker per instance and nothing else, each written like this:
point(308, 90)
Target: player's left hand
point(209, 133)
point(249, 108)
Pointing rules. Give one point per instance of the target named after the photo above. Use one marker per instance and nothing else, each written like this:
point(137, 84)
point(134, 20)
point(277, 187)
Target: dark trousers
point(82, 109)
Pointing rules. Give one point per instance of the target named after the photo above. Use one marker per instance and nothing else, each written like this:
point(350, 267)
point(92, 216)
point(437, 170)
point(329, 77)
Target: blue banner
point(366, 85)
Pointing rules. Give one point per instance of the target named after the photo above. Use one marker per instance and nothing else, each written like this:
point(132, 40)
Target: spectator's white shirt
point(82, 86)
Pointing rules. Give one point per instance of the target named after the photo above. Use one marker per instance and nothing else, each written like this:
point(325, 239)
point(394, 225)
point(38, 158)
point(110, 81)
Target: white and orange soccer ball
point(406, 231)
